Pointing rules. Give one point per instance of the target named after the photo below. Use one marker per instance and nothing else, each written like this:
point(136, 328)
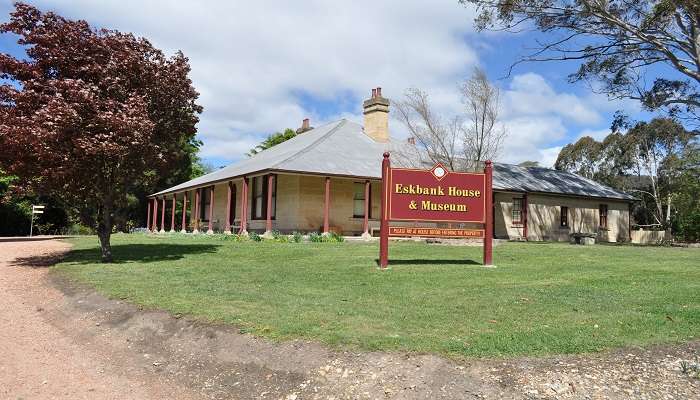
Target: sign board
point(435, 195)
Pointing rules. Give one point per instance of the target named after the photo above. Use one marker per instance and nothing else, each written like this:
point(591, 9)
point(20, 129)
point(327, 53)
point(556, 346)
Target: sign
point(436, 232)
point(35, 210)
point(436, 195)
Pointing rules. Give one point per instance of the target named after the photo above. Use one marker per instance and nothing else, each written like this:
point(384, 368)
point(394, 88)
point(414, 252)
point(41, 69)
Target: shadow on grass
point(393, 262)
point(144, 253)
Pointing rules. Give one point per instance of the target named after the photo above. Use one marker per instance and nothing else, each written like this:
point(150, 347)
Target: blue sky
point(264, 66)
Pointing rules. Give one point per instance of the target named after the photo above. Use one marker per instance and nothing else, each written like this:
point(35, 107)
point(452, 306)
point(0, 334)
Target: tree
point(90, 115)
point(272, 140)
point(640, 49)
point(482, 134)
point(657, 161)
point(459, 142)
point(529, 164)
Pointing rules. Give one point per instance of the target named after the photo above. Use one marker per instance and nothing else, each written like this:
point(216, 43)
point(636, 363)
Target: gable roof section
point(322, 150)
point(341, 148)
point(544, 180)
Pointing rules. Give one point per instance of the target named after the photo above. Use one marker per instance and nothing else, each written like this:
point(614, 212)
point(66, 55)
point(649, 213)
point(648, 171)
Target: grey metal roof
point(342, 148)
point(544, 180)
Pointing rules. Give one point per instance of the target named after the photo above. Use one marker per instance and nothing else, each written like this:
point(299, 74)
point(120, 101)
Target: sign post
point(436, 195)
point(384, 227)
point(35, 210)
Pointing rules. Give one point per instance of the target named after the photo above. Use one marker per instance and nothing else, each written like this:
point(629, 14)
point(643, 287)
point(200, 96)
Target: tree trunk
point(104, 230)
point(105, 246)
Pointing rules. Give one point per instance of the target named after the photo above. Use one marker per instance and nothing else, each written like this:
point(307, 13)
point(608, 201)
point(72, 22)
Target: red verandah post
point(384, 227)
point(488, 229)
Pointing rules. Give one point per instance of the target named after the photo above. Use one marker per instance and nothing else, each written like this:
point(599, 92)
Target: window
point(517, 214)
point(260, 197)
point(358, 209)
point(603, 216)
point(564, 217)
point(204, 201)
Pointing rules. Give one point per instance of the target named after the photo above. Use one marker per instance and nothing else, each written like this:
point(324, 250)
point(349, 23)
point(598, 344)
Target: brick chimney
point(305, 126)
point(376, 111)
point(411, 140)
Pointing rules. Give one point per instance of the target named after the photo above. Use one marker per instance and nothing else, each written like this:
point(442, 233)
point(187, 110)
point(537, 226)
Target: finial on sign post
point(386, 154)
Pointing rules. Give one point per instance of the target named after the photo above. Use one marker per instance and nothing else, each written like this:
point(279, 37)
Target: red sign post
point(435, 195)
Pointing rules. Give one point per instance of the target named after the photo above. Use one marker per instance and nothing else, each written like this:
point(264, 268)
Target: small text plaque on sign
point(436, 195)
point(436, 232)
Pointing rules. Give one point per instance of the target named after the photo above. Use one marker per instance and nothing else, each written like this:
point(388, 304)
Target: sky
point(263, 66)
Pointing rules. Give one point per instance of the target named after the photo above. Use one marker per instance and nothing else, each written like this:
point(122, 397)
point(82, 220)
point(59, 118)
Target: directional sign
point(36, 207)
point(37, 212)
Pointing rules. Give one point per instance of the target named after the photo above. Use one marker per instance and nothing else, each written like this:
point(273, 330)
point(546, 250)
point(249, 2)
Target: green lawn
point(541, 298)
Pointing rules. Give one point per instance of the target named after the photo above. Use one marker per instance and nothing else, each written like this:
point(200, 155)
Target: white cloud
point(531, 94)
point(529, 139)
point(250, 60)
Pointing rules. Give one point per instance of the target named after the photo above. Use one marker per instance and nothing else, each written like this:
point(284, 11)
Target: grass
point(541, 299)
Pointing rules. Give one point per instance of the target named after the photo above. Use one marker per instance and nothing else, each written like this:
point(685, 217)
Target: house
point(328, 179)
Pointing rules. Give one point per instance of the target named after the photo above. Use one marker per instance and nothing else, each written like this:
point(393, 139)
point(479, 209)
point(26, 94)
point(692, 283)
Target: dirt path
point(59, 341)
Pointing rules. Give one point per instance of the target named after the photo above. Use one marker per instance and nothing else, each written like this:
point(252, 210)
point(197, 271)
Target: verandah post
point(184, 213)
point(210, 229)
point(148, 215)
point(525, 216)
point(155, 215)
point(162, 217)
point(488, 229)
point(365, 224)
point(327, 206)
point(268, 209)
point(227, 223)
point(244, 207)
point(384, 227)
point(172, 218)
point(195, 215)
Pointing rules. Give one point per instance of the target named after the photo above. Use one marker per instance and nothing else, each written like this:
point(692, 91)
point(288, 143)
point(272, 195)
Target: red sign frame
point(404, 188)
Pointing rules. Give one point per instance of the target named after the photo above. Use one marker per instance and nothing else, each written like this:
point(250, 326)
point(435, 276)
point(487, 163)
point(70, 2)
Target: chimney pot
point(412, 140)
point(374, 93)
point(305, 124)
point(379, 92)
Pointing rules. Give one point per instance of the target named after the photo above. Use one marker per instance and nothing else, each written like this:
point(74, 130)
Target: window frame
point(603, 216)
point(563, 216)
point(363, 185)
point(520, 202)
point(263, 198)
point(204, 202)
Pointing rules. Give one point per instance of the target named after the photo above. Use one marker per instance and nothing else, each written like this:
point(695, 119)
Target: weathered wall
point(648, 237)
point(543, 218)
point(300, 202)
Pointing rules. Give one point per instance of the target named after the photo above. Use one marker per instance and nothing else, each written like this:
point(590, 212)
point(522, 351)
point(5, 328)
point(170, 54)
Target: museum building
point(328, 178)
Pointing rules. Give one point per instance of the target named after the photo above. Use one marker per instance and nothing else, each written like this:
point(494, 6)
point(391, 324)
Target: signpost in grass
point(436, 195)
point(35, 210)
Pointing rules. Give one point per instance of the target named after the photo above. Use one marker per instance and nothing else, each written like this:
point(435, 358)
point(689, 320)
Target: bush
point(78, 229)
point(331, 237)
point(255, 237)
point(296, 237)
point(689, 226)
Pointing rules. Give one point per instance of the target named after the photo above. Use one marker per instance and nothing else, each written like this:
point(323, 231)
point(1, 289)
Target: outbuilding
point(328, 179)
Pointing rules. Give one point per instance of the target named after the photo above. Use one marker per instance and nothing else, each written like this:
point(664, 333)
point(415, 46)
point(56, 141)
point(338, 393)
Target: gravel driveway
point(62, 341)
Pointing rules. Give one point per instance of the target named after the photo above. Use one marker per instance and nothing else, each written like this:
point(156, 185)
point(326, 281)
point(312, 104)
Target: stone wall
point(543, 218)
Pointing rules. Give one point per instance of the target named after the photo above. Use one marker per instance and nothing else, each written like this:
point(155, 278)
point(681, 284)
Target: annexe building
point(328, 178)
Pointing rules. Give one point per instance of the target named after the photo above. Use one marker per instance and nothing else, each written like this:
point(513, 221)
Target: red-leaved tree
point(89, 114)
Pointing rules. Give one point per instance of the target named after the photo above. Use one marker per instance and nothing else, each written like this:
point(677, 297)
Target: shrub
point(78, 229)
point(297, 237)
point(255, 237)
point(315, 237)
